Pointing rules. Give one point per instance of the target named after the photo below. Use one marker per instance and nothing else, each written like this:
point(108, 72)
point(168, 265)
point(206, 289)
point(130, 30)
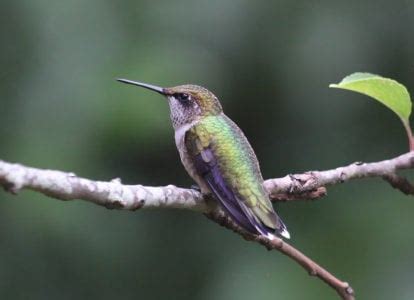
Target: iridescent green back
point(237, 162)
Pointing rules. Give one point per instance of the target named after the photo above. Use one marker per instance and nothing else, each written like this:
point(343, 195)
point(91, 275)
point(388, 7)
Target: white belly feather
point(185, 158)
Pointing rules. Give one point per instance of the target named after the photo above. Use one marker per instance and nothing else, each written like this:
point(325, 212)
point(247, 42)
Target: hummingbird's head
point(187, 102)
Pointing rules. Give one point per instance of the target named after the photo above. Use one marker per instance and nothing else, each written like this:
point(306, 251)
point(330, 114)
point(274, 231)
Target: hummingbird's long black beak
point(144, 85)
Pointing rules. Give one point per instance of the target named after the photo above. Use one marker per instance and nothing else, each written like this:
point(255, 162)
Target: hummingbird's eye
point(183, 98)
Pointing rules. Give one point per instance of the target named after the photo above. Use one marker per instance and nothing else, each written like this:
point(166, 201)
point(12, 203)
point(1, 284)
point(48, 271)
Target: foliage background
point(270, 63)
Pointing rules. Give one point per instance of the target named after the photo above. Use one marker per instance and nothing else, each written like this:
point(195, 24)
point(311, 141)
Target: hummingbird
point(219, 158)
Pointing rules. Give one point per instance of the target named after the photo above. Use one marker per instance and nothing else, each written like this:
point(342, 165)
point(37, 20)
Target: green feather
point(237, 163)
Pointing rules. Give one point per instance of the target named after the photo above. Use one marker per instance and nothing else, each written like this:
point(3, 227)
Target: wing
point(229, 168)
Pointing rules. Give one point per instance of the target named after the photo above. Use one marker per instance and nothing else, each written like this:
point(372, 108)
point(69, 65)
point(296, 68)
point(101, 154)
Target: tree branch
point(312, 180)
point(343, 289)
point(113, 194)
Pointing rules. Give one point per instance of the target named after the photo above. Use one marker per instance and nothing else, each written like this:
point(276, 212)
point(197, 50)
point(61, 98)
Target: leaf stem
point(409, 135)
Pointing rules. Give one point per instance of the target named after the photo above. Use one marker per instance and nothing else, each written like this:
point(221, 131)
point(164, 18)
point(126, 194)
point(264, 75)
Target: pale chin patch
point(176, 112)
point(181, 114)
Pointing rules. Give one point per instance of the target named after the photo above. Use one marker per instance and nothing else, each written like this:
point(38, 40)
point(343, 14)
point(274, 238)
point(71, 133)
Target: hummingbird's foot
point(195, 187)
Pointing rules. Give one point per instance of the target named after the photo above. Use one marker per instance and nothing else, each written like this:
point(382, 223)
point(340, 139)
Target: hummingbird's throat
point(182, 114)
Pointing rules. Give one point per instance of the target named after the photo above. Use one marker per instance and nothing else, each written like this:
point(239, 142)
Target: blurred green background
point(270, 63)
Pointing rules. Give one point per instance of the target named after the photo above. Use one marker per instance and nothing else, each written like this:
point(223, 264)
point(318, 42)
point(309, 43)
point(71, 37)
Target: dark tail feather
point(270, 232)
point(261, 228)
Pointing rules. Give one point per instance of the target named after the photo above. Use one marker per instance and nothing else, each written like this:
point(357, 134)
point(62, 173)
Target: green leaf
point(387, 91)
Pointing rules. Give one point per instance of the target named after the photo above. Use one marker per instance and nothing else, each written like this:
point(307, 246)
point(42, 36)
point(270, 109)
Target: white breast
point(185, 159)
point(180, 133)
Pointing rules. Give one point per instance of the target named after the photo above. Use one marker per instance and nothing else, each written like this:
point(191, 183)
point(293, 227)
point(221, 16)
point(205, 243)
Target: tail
point(281, 230)
point(264, 222)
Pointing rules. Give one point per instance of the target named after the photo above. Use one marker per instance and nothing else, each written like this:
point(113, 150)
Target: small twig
point(400, 183)
point(344, 290)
